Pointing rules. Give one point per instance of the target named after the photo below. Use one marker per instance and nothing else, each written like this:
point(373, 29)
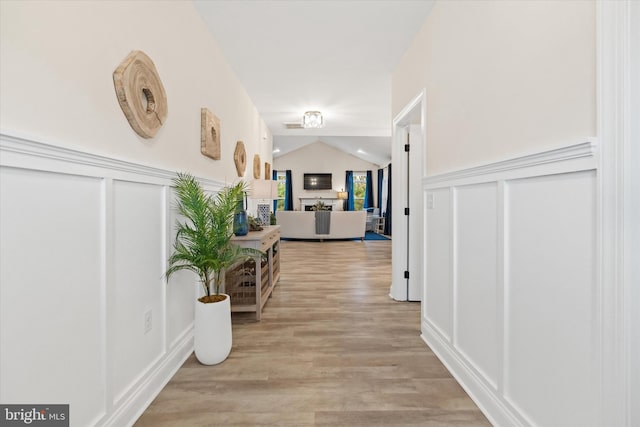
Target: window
point(359, 190)
point(282, 186)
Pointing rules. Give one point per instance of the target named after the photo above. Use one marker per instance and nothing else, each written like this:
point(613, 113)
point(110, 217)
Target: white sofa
point(302, 225)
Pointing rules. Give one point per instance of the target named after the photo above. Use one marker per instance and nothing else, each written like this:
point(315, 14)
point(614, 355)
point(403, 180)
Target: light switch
point(430, 201)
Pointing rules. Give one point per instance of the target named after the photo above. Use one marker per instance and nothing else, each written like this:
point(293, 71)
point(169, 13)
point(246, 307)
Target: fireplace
point(310, 208)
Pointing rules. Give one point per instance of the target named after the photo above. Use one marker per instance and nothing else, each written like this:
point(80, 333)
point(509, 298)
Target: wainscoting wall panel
point(138, 283)
point(511, 258)
point(475, 269)
point(52, 310)
point(180, 304)
point(84, 242)
point(438, 308)
point(549, 300)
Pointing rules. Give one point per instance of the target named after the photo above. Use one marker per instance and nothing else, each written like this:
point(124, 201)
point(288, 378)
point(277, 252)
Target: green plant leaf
point(203, 239)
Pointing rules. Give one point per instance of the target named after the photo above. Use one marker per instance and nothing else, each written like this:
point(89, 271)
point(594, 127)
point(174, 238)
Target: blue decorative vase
point(240, 220)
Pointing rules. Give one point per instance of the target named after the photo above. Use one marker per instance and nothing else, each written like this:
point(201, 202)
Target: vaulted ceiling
point(334, 56)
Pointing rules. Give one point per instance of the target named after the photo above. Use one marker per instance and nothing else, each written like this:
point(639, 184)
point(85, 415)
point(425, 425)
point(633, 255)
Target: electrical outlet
point(148, 321)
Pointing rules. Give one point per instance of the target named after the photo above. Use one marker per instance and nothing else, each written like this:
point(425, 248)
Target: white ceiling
point(334, 56)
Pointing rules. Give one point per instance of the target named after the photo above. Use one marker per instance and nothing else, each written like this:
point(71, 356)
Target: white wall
point(83, 251)
point(85, 217)
point(502, 78)
point(57, 86)
point(322, 158)
point(511, 293)
point(512, 296)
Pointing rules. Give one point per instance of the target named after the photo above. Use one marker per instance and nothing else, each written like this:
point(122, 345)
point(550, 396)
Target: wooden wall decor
point(267, 170)
point(209, 134)
point(240, 158)
point(256, 166)
point(141, 94)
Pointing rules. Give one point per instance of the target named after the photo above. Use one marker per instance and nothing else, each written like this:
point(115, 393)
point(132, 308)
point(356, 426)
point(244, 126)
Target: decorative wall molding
point(121, 387)
point(498, 218)
point(613, 318)
point(581, 156)
point(20, 152)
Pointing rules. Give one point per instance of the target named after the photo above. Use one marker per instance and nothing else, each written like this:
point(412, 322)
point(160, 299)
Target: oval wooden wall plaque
point(256, 166)
point(240, 158)
point(209, 134)
point(141, 94)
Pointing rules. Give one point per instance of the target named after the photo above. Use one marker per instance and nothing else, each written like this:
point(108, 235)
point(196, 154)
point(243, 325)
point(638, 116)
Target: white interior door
point(407, 228)
point(414, 219)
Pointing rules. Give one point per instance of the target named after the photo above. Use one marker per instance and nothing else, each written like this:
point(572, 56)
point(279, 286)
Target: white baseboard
point(497, 412)
point(134, 406)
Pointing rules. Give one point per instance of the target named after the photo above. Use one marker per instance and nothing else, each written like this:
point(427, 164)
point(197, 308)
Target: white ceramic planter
point(212, 335)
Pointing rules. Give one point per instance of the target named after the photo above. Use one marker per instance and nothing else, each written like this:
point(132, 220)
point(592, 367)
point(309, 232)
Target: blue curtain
point(348, 185)
point(288, 194)
point(380, 178)
point(387, 215)
point(274, 175)
point(368, 194)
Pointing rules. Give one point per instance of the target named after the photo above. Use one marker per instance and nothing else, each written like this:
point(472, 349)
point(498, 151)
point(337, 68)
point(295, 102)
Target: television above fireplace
point(317, 181)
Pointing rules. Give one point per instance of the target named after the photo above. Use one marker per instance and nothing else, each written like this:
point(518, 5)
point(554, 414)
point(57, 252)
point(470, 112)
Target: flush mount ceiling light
point(312, 119)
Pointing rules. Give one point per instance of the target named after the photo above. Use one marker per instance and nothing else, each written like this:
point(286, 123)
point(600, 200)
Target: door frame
point(408, 251)
point(618, 101)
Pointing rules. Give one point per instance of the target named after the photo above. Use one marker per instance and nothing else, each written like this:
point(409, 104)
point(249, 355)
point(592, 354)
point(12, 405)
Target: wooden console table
point(250, 284)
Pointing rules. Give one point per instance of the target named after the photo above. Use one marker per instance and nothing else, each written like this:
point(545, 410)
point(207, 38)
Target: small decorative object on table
point(240, 219)
point(254, 224)
point(264, 210)
point(320, 206)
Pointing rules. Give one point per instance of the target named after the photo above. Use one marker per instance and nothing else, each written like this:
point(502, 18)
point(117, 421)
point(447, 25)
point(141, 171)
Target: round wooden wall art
point(240, 158)
point(256, 166)
point(141, 94)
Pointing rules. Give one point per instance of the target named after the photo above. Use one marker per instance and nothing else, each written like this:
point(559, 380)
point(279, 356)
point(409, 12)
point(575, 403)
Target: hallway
point(332, 349)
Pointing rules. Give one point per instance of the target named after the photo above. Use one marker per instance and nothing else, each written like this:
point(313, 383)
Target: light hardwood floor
point(332, 349)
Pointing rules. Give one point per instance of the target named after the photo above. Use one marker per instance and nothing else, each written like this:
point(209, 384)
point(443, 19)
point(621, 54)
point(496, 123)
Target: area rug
point(370, 235)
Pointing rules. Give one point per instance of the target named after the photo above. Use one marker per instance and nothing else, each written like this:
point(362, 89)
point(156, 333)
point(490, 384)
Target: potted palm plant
point(203, 245)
